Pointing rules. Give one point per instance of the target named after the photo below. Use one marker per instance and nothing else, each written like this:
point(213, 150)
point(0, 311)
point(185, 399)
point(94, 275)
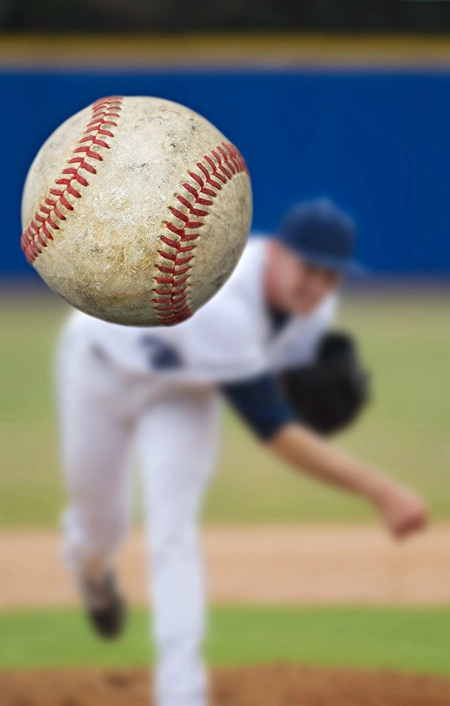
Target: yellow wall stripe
point(203, 51)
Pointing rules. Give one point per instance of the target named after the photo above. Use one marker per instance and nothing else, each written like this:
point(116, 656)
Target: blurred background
point(254, 15)
point(326, 97)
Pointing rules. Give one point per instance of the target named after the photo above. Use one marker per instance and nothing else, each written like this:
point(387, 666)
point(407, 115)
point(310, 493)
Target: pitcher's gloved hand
point(330, 393)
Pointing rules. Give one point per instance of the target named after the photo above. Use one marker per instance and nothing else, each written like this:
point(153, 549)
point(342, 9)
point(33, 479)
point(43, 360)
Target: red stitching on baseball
point(32, 240)
point(219, 167)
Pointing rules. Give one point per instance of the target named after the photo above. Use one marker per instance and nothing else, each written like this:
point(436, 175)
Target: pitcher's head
point(310, 253)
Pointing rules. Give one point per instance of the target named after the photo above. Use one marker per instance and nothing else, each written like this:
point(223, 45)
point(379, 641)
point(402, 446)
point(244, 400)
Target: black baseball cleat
point(105, 606)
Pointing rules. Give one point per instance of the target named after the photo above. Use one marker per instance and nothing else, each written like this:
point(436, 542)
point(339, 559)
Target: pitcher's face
point(294, 285)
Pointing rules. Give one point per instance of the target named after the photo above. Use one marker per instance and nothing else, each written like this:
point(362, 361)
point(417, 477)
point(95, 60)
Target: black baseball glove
point(331, 392)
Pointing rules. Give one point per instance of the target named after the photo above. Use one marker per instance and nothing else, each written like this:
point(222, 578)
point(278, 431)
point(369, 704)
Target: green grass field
point(407, 640)
point(405, 340)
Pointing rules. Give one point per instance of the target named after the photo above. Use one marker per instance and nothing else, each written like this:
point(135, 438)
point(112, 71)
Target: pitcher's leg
point(178, 443)
point(95, 445)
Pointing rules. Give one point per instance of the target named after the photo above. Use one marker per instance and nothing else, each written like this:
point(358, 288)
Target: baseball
point(136, 210)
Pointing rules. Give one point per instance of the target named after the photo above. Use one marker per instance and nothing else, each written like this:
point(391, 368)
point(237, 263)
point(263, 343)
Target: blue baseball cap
point(322, 234)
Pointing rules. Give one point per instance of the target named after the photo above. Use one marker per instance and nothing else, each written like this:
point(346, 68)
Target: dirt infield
point(257, 686)
point(257, 565)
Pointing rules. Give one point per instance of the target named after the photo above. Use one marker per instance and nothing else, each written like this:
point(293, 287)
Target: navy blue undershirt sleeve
point(261, 404)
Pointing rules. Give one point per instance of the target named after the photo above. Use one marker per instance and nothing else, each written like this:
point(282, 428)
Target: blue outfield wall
point(378, 143)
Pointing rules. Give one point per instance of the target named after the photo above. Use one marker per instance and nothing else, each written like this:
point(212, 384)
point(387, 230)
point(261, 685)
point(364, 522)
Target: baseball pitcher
point(264, 344)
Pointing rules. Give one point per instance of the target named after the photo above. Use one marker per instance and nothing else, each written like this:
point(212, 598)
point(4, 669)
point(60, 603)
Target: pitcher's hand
point(403, 511)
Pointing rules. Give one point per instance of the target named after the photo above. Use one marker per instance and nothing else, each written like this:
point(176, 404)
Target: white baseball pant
point(104, 413)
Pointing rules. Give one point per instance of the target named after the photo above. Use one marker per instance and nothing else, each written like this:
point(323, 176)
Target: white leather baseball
point(136, 210)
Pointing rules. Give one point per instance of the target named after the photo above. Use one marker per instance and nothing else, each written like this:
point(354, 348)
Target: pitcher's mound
point(256, 686)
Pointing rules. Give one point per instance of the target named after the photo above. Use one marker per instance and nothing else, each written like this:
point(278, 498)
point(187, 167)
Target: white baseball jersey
point(230, 339)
